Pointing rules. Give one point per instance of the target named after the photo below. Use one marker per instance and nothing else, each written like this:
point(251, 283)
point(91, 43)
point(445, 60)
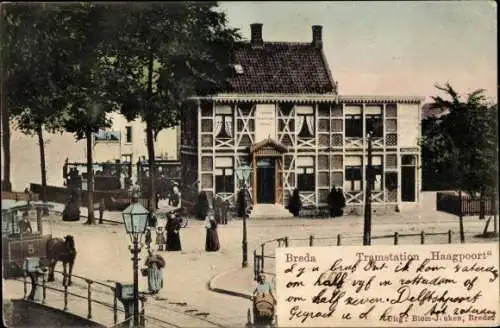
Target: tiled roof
point(280, 67)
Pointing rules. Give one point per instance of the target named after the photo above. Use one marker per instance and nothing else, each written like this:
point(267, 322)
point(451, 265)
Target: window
point(223, 122)
point(353, 173)
point(128, 134)
point(373, 120)
point(305, 174)
point(377, 172)
point(391, 180)
point(353, 126)
point(305, 122)
point(353, 122)
point(224, 174)
point(408, 160)
point(374, 125)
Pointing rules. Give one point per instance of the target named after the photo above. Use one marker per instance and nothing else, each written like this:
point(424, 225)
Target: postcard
point(249, 164)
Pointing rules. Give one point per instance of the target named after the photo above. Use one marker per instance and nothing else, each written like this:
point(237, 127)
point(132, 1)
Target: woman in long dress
point(173, 229)
point(212, 239)
point(155, 264)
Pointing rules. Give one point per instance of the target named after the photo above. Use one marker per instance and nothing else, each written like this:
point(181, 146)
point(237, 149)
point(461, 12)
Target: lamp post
point(243, 173)
point(367, 229)
point(135, 218)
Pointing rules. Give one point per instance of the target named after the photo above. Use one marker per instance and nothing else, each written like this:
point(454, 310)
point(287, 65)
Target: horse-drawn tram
point(21, 238)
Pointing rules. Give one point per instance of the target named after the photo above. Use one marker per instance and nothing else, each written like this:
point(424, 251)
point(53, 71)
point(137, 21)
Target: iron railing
point(260, 256)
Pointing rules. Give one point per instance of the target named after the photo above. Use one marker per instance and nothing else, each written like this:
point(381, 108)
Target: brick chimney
point(256, 30)
point(317, 36)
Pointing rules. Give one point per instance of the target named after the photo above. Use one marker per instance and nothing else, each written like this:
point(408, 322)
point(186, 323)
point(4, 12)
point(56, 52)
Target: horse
point(61, 250)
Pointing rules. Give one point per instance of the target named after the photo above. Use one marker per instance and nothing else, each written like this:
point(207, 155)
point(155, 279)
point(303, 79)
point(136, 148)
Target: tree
point(164, 53)
point(7, 39)
point(465, 140)
point(35, 57)
point(86, 98)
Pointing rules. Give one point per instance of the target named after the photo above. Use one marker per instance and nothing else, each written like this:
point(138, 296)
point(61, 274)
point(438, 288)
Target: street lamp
point(135, 218)
point(243, 173)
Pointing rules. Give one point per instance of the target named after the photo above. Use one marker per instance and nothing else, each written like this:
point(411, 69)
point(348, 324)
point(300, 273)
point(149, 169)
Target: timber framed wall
point(226, 129)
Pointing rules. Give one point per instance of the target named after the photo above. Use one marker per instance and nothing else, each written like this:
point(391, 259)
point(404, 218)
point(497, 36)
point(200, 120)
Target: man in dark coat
point(332, 202)
point(340, 202)
point(295, 203)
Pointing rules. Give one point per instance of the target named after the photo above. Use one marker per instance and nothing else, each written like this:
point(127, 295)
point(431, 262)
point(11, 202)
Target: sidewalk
point(237, 282)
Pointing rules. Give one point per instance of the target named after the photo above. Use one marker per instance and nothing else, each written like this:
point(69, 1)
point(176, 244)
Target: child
point(160, 238)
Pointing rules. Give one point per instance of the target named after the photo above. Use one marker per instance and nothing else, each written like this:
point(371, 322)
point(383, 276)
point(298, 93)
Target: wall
point(408, 125)
point(329, 149)
point(165, 145)
point(21, 313)
point(265, 122)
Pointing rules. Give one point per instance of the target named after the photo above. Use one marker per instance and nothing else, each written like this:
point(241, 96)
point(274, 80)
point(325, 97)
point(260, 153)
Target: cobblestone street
point(186, 299)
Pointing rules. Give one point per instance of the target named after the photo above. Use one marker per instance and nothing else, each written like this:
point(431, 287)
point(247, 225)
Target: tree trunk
point(6, 184)
point(150, 137)
point(151, 156)
point(461, 217)
point(90, 178)
point(43, 171)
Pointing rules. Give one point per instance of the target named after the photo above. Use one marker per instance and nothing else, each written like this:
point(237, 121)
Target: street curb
point(211, 286)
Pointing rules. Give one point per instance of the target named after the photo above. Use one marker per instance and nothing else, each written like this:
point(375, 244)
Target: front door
point(266, 180)
point(408, 183)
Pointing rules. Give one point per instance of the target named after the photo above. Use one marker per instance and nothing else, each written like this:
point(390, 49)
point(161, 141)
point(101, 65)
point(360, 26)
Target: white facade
point(313, 145)
point(132, 145)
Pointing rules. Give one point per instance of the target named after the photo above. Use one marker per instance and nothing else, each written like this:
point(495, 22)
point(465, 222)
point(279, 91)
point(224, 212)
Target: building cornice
point(269, 98)
point(380, 99)
point(307, 98)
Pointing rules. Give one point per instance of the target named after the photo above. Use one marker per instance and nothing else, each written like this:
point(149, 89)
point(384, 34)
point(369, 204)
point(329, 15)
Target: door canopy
point(268, 147)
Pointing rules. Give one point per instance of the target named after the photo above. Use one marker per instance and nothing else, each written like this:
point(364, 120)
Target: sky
point(388, 48)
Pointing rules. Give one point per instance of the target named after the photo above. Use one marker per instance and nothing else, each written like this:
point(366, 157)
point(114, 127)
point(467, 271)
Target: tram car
point(22, 236)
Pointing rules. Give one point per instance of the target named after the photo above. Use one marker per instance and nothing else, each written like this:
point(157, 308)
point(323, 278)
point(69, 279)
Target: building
point(282, 116)
point(126, 141)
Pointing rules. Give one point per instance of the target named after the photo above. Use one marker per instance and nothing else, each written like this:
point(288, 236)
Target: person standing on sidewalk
point(155, 264)
point(212, 238)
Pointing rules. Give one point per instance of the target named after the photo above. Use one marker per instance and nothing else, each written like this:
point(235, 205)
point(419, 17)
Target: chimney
point(256, 30)
point(317, 37)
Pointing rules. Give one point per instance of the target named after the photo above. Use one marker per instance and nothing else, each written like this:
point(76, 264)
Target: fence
point(66, 293)
point(259, 260)
point(450, 202)
point(18, 196)
point(90, 291)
